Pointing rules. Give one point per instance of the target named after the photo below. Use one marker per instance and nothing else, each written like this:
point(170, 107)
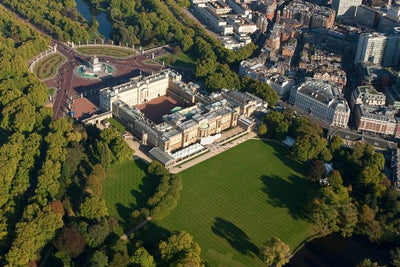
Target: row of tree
point(166, 195)
point(58, 18)
point(25, 223)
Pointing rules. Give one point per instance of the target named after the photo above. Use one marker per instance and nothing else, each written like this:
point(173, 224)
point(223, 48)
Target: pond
point(334, 250)
point(105, 25)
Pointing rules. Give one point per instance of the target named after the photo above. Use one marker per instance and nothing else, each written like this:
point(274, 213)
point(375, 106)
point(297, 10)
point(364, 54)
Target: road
point(67, 82)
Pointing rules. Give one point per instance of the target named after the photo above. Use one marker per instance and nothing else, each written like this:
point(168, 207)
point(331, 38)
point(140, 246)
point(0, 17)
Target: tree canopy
point(274, 252)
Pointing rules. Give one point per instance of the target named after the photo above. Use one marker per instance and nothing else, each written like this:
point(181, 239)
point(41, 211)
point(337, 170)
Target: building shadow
point(235, 237)
point(290, 194)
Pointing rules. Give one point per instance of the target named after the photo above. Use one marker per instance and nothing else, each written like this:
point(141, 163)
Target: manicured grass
point(118, 52)
point(150, 62)
point(230, 203)
point(180, 60)
point(117, 125)
point(50, 91)
point(122, 190)
point(48, 66)
point(234, 201)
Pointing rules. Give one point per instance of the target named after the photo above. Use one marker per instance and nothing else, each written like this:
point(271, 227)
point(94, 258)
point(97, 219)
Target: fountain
point(94, 69)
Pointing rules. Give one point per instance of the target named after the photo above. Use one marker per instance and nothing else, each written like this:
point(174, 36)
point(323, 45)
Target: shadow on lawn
point(139, 197)
point(292, 194)
point(283, 154)
point(235, 236)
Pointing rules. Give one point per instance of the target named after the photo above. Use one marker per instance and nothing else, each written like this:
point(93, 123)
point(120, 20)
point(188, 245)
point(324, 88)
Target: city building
point(377, 119)
point(350, 139)
point(393, 94)
point(345, 8)
point(367, 16)
point(218, 7)
point(309, 15)
point(212, 20)
point(378, 48)
point(241, 25)
point(196, 2)
point(281, 84)
point(322, 100)
point(266, 7)
point(366, 94)
point(240, 8)
point(375, 75)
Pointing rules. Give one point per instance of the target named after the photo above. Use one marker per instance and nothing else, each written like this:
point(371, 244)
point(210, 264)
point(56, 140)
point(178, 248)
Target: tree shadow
point(291, 194)
point(125, 213)
point(283, 154)
point(235, 236)
point(147, 188)
point(151, 234)
point(140, 196)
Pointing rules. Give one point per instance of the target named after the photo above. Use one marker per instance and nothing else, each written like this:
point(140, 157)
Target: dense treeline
point(59, 18)
point(356, 197)
point(22, 119)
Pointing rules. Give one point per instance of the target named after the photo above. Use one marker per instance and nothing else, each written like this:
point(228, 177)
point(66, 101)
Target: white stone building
point(323, 100)
point(138, 90)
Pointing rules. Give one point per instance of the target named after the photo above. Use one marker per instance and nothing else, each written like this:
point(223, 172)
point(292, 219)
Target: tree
point(274, 252)
point(120, 150)
point(262, 129)
point(335, 143)
point(37, 227)
point(93, 207)
point(261, 89)
point(95, 179)
point(277, 124)
point(367, 225)
point(333, 210)
point(97, 234)
point(142, 258)
point(335, 179)
point(308, 147)
point(368, 263)
point(316, 170)
point(180, 248)
point(395, 256)
point(99, 259)
point(70, 242)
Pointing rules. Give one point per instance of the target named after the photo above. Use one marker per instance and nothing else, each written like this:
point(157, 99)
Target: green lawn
point(113, 51)
point(180, 60)
point(230, 203)
point(48, 66)
point(122, 188)
point(234, 201)
point(117, 125)
point(150, 62)
point(50, 91)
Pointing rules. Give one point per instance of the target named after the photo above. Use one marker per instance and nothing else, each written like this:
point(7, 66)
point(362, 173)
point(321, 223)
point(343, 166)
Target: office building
point(345, 8)
point(380, 49)
point(322, 100)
